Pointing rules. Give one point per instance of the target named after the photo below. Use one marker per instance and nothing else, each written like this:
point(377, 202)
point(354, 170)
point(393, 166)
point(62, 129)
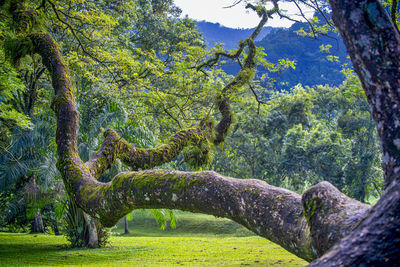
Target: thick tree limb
point(115, 147)
point(331, 215)
point(64, 100)
point(375, 241)
point(274, 213)
point(271, 212)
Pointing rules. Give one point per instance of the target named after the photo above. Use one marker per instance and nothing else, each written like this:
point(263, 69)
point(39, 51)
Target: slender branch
point(171, 116)
point(236, 54)
point(308, 21)
point(234, 4)
point(318, 8)
point(78, 39)
point(253, 90)
point(243, 77)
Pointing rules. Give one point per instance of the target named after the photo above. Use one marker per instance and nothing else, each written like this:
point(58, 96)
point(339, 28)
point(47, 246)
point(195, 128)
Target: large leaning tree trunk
point(308, 225)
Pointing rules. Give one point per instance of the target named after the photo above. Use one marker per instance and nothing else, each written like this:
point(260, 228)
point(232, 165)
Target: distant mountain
point(312, 66)
point(216, 33)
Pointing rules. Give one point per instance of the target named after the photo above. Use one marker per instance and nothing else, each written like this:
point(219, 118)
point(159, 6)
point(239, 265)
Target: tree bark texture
point(126, 228)
point(91, 238)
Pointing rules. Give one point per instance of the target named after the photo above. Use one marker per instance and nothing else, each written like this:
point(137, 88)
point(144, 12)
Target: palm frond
point(162, 216)
point(47, 172)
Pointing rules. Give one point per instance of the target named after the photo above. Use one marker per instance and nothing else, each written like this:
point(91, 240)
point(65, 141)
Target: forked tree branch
point(245, 75)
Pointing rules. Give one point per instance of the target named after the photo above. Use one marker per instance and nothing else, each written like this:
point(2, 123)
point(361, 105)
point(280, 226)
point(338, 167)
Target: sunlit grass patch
point(187, 224)
point(35, 250)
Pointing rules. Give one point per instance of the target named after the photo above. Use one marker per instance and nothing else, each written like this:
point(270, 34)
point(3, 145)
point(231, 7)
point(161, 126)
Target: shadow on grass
point(17, 249)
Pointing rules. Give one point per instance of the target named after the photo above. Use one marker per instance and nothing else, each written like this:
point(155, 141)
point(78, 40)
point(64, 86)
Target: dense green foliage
point(11, 86)
point(94, 37)
point(305, 136)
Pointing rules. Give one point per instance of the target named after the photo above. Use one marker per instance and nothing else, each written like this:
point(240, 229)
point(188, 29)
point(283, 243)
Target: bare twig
point(234, 4)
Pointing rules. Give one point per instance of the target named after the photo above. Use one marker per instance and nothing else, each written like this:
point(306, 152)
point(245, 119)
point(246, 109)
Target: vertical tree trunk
point(373, 44)
point(126, 229)
point(56, 229)
point(362, 197)
point(37, 223)
point(91, 239)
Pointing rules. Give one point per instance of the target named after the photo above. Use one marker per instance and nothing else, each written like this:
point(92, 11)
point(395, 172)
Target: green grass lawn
point(187, 224)
point(199, 240)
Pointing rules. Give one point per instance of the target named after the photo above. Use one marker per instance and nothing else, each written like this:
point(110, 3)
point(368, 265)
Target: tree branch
point(274, 213)
point(375, 239)
point(115, 147)
point(54, 8)
point(329, 211)
point(269, 211)
point(246, 73)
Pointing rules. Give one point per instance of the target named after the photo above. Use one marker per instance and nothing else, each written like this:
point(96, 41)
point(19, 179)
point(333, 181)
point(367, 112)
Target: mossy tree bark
point(307, 225)
point(91, 239)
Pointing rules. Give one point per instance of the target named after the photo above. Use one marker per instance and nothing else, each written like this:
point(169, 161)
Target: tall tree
point(307, 225)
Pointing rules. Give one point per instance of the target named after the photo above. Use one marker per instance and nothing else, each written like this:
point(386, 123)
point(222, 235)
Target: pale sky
point(235, 17)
